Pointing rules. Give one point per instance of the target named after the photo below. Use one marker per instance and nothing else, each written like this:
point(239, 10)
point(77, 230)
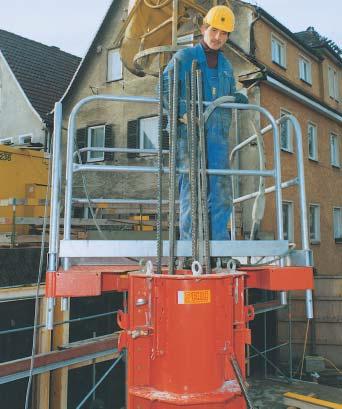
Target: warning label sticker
point(194, 297)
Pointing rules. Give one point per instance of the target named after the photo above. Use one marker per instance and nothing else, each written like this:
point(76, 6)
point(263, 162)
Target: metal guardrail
point(224, 102)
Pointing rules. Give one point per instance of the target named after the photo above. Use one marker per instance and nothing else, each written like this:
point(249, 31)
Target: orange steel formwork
point(182, 332)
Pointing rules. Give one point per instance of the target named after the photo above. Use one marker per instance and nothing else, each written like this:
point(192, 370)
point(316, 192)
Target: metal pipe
point(284, 185)
point(174, 23)
point(55, 205)
point(119, 150)
point(55, 324)
point(277, 166)
point(119, 201)
point(55, 188)
point(70, 152)
point(152, 169)
point(303, 208)
point(270, 350)
point(103, 377)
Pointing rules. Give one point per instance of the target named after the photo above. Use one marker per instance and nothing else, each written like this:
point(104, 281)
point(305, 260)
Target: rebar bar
point(160, 176)
point(193, 163)
point(204, 182)
point(173, 156)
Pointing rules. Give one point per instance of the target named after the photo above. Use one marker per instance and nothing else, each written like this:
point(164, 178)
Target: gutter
point(302, 98)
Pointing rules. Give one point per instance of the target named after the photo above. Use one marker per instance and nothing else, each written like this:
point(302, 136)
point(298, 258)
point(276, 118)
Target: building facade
point(286, 73)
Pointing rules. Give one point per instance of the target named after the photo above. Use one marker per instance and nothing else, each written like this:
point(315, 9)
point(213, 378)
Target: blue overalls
point(216, 83)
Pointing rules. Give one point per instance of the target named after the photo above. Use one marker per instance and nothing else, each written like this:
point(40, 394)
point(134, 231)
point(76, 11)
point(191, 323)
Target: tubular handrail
point(225, 102)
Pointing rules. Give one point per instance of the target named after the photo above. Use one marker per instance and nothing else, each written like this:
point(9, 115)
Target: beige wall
point(323, 181)
point(16, 115)
point(319, 86)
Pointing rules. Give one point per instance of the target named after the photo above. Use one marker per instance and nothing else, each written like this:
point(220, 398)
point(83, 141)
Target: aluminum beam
point(148, 248)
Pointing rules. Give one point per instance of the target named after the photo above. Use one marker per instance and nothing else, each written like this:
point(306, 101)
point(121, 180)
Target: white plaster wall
point(16, 115)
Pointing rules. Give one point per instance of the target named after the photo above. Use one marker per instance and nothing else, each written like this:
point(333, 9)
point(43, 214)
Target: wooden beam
point(97, 360)
point(59, 377)
point(308, 402)
point(41, 391)
point(63, 356)
point(20, 292)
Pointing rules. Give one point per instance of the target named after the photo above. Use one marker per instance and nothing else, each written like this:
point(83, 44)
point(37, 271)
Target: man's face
point(214, 38)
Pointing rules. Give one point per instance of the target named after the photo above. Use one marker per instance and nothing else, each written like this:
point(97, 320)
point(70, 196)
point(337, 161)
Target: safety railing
point(72, 167)
point(71, 250)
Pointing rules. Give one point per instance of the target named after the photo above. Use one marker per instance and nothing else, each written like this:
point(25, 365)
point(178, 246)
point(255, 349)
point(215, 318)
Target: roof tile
point(43, 72)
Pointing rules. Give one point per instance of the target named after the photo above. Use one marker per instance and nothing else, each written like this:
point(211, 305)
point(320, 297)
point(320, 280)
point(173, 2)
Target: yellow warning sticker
point(194, 297)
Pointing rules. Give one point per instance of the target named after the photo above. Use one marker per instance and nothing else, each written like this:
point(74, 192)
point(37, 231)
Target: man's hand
point(240, 98)
point(184, 119)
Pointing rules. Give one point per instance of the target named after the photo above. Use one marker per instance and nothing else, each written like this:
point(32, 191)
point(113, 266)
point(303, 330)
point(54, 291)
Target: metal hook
point(149, 268)
point(196, 268)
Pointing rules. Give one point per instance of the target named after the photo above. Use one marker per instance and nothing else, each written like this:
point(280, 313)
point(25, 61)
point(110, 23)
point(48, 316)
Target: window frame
point(313, 126)
point(289, 149)
point(119, 77)
point(141, 136)
point(1, 90)
point(89, 128)
point(290, 215)
point(316, 239)
point(6, 141)
point(306, 61)
point(21, 137)
point(282, 44)
point(337, 232)
point(333, 83)
point(336, 164)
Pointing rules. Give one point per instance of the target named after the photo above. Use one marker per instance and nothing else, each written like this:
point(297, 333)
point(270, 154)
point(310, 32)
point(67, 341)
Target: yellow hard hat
point(220, 17)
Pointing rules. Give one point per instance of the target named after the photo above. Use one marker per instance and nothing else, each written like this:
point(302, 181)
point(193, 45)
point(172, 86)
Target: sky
point(72, 24)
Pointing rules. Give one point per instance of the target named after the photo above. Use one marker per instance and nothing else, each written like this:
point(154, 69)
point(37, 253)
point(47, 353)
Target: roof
point(314, 40)
point(42, 71)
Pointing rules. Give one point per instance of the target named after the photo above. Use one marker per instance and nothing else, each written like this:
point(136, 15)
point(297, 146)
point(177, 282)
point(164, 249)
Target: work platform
point(184, 330)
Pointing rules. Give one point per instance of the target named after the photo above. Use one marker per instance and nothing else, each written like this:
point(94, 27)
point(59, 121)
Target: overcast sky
point(71, 24)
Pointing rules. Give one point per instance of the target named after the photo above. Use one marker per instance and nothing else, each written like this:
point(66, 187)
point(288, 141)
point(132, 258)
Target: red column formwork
point(181, 332)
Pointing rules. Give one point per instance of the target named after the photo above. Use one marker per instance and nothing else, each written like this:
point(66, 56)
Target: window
point(114, 65)
point(278, 51)
point(305, 70)
point(312, 141)
point(337, 220)
point(334, 150)
point(314, 222)
point(96, 139)
point(148, 133)
point(142, 133)
point(286, 133)
point(333, 83)
point(25, 139)
point(1, 91)
point(6, 141)
point(288, 221)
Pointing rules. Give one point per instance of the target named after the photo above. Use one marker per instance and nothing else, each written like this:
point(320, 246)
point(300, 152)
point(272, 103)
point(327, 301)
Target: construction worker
point(218, 81)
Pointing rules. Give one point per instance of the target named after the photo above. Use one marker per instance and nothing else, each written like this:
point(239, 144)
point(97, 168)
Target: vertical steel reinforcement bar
point(203, 164)
point(160, 176)
point(173, 156)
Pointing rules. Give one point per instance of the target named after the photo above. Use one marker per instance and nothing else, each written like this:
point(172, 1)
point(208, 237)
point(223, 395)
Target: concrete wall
point(16, 115)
